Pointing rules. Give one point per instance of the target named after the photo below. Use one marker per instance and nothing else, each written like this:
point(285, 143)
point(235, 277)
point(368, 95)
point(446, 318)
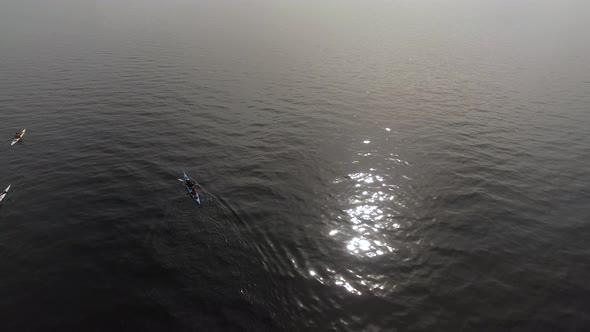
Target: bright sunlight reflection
point(373, 201)
point(368, 217)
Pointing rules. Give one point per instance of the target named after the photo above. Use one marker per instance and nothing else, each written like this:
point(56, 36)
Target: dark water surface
point(367, 165)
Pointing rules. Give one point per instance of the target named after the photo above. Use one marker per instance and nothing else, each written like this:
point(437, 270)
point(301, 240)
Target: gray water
point(364, 165)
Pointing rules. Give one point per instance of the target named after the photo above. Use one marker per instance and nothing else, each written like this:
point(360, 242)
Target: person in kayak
point(194, 192)
point(189, 183)
point(18, 134)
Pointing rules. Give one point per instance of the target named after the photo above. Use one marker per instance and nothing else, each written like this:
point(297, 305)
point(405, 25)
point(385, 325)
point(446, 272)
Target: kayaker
point(189, 183)
point(194, 192)
point(18, 134)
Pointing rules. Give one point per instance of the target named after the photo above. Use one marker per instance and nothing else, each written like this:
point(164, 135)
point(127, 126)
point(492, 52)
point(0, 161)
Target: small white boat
point(16, 139)
point(3, 194)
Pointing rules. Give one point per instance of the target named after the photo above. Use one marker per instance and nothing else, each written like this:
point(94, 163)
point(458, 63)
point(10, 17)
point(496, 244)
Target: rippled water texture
point(364, 165)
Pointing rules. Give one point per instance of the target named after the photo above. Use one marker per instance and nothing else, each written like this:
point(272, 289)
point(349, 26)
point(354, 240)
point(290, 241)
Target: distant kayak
point(21, 133)
point(4, 193)
point(189, 189)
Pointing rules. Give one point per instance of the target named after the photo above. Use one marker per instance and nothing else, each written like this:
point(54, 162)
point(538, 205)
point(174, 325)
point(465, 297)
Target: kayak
point(14, 141)
point(196, 197)
point(4, 193)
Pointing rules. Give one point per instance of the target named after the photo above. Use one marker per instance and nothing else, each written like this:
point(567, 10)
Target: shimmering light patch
point(356, 175)
point(294, 263)
point(367, 247)
point(368, 216)
point(350, 246)
point(388, 129)
point(394, 158)
point(316, 276)
point(366, 226)
point(366, 141)
point(364, 245)
point(342, 282)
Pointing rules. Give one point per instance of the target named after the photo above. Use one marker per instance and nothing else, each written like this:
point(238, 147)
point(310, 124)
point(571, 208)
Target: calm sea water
point(366, 165)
